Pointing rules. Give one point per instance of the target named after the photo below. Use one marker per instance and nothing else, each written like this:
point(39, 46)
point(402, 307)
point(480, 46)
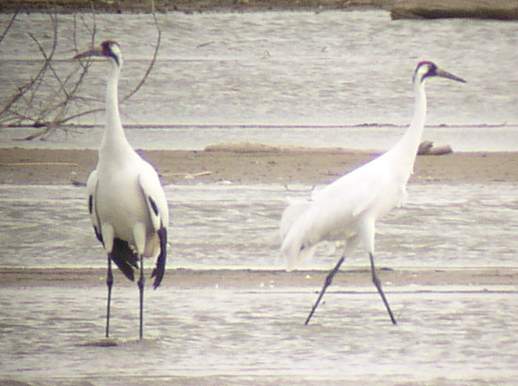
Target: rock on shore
point(437, 9)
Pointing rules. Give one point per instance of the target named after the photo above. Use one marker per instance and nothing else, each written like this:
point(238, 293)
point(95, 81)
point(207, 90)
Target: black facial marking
point(153, 205)
point(432, 68)
point(107, 50)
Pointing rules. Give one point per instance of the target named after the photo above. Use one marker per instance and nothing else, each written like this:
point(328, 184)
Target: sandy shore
point(252, 164)
point(182, 278)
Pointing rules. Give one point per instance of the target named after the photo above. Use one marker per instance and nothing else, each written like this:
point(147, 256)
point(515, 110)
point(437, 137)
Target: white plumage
point(127, 204)
point(348, 208)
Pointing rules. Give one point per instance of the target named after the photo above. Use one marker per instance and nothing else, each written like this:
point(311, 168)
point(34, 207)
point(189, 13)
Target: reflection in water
point(237, 225)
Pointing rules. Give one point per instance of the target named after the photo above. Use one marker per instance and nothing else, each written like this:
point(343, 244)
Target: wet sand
point(252, 164)
point(238, 279)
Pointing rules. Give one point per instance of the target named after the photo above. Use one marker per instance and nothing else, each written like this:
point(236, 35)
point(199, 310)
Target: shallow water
point(291, 69)
point(252, 336)
point(225, 225)
point(314, 80)
point(187, 137)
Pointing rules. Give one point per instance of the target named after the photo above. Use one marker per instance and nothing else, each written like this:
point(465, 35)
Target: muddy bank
point(440, 9)
point(252, 164)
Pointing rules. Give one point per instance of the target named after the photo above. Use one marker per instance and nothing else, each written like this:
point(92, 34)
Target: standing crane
point(126, 202)
point(349, 207)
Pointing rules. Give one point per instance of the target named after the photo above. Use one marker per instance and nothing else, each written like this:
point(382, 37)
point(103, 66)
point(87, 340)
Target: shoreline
point(399, 9)
point(190, 6)
point(250, 164)
point(471, 279)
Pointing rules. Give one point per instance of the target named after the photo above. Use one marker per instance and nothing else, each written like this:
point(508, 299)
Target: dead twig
point(153, 60)
point(11, 111)
point(51, 99)
point(9, 25)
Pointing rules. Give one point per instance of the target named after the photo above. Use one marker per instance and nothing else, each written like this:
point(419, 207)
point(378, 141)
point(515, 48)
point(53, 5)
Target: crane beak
point(89, 53)
point(447, 75)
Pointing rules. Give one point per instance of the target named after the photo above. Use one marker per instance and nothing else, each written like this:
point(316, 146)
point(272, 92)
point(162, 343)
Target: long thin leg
point(377, 283)
point(141, 282)
point(109, 283)
point(327, 283)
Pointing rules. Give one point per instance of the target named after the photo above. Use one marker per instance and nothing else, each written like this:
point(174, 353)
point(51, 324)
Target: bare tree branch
point(34, 84)
point(49, 60)
point(82, 114)
point(53, 98)
point(9, 24)
point(153, 60)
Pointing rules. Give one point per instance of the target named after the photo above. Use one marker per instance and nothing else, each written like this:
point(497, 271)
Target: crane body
point(127, 205)
point(348, 208)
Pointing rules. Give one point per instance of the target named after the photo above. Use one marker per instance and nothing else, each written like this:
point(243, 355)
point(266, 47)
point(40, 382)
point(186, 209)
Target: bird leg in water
point(377, 283)
point(109, 283)
point(327, 283)
point(141, 282)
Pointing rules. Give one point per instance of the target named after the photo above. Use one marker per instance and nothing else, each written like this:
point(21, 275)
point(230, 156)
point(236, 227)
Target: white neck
point(114, 140)
point(406, 148)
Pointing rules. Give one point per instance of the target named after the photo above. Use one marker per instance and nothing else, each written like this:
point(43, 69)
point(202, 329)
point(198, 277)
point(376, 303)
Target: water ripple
point(237, 226)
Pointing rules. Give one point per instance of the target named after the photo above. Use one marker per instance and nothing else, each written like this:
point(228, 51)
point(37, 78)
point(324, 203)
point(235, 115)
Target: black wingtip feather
point(153, 205)
point(124, 257)
point(159, 270)
point(98, 235)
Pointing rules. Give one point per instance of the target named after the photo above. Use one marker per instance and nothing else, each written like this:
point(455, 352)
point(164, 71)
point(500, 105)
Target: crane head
point(426, 69)
point(109, 49)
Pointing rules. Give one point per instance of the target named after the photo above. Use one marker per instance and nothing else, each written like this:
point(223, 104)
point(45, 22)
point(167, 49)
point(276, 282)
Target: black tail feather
point(124, 257)
point(159, 270)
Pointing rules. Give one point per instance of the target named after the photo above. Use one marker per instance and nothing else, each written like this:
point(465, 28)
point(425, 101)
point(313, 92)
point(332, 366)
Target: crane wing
point(293, 211)
point(91, 187)
point(331, 213)
point(292, 216)
point(155, 198)
point(159, 214)
point(350, 195)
